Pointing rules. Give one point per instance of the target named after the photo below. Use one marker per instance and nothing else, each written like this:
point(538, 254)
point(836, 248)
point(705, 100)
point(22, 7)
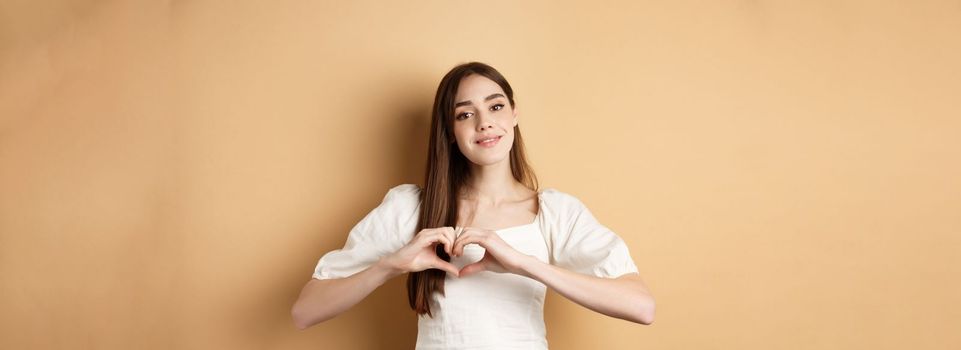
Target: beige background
point(785, 173)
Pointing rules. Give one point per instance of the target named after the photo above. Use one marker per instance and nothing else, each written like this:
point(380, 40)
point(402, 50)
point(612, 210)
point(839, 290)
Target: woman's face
point(482, 112)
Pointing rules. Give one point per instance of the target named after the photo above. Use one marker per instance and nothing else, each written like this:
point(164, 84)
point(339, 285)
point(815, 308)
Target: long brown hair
point(448, 171)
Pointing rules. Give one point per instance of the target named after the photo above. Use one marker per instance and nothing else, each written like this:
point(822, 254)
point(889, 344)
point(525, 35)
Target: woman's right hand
point(420, 254)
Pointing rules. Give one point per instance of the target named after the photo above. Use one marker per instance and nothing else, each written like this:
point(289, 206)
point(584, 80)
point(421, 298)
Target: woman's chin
point(487, 160)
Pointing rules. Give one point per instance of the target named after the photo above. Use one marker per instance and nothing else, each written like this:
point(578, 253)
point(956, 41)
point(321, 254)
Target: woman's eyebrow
point(488, 98)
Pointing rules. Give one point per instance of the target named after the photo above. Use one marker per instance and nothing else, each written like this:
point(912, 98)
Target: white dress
point(487, 310)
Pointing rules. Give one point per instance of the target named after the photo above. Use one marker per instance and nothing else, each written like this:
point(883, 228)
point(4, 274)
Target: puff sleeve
point(584, 245)
point(384, 230)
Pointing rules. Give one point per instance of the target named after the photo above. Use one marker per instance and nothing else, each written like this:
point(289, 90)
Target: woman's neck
point(492, 184)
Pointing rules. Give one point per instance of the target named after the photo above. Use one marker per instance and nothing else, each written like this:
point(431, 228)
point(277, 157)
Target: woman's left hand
point(498, 255)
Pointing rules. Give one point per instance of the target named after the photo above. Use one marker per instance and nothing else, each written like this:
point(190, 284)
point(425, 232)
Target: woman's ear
point(515, 116)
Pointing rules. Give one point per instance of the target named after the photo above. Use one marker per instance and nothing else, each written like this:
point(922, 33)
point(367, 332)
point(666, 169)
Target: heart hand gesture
point(498, 257)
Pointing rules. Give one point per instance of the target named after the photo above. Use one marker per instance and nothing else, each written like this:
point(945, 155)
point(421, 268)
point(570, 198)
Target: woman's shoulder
point(400, 206)
point(403, 194)
point(559, 199)
point(404, 190)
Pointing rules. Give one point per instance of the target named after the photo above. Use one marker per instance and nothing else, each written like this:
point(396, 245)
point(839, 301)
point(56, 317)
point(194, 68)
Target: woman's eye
point(462, 115)
point(497, 107)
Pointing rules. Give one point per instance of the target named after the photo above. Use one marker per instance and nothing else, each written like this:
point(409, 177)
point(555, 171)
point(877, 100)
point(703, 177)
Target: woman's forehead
point(475, 88)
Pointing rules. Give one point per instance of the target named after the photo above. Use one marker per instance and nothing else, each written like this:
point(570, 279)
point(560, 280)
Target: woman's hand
point(420, 253)
point(498, 255)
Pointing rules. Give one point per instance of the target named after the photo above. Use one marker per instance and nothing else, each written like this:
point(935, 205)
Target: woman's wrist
point(527, 267)
point(386, 268)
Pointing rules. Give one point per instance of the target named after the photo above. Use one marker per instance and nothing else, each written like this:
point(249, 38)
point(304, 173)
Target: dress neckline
point(537, 216)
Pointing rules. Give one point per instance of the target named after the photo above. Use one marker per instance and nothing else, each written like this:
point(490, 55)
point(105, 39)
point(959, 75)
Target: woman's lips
point(491, 143)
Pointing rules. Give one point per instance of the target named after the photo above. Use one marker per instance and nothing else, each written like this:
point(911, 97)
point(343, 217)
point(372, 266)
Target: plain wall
point(786, 173)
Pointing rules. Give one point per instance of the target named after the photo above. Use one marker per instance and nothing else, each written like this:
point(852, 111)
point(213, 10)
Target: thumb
point(446, 266)
point(473, 268)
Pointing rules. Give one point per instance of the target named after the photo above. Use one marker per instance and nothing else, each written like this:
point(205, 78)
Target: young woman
point(480, 244)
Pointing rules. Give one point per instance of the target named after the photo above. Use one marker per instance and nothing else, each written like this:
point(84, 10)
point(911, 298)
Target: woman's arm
point(625, 297)
point(321, 300)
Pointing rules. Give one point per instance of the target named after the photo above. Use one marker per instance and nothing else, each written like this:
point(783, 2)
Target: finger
point(433, 237)
point(463, 239)
point(424, 238)
point(451, 235)
point(446, 266)
point(458, 234)
point(468, 236)
point(472, 269)
point(446, 242)
point(455, 232)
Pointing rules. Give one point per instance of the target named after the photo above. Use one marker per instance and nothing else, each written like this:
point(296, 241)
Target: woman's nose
point(486, 123)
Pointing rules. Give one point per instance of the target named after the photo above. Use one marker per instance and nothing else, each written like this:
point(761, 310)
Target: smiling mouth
point(489, 142)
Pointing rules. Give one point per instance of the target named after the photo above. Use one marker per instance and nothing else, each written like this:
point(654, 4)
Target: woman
point(479, 242)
